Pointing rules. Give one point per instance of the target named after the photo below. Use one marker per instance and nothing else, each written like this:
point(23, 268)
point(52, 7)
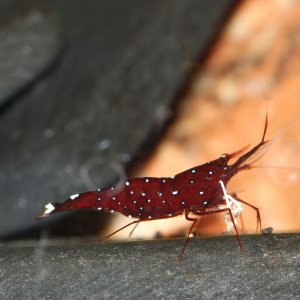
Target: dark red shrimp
point(198, 191)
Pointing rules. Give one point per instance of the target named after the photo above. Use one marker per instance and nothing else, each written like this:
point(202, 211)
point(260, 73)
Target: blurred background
point(96, 92)
point(251, 69)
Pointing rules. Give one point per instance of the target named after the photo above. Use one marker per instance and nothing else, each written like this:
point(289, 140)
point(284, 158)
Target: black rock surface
point(101, 76)
point(30, 42)
point(212, 268)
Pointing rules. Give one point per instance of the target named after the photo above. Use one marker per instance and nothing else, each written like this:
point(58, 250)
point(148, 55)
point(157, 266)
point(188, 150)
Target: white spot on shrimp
point(149, 217)
point(205, 202)
point(169, 215)
point(159, 194)
point(114, 198)
point(183, 202)
point(175, 193)
point(127, 183)
point(163, 201)
point(172, 177)
point(141, 208)
point(112, 188)
point(201, 193)
point(48, 208)
point(192, 181)
point(74, 196)
point(193, 171)
point(99, 208)
point(119, 203)
point(112, 211)
point(143, 194)
point(164, 180)
point(134, 202)
point(99, 199)
point(131, 192)
point(149, 200)
point(130, 216)
point(210, 172)
point(98, 189)
point(147, 180)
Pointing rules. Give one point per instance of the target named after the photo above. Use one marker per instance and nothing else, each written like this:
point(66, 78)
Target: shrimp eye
point(223, 159)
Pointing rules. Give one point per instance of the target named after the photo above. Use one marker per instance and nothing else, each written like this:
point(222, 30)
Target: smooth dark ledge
point(213, 268)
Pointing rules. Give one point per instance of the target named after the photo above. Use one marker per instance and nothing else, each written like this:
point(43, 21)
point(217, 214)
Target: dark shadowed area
point(85, 85)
